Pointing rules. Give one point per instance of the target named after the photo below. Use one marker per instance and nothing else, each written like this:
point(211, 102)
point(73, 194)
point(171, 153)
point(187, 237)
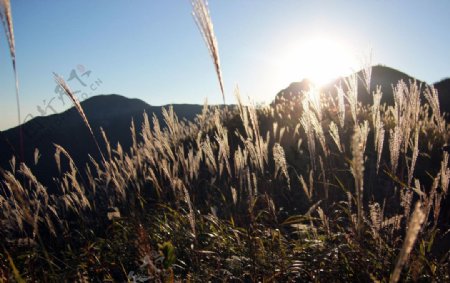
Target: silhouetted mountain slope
point(293, 90)
point(111, 112)
point(443, 88)
point(114, 113)
point(386, 78)
point(383, 76)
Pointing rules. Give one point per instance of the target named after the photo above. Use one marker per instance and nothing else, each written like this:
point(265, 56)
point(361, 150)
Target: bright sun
point(319, 59)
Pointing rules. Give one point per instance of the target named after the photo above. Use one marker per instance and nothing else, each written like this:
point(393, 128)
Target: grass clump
point(217, 199)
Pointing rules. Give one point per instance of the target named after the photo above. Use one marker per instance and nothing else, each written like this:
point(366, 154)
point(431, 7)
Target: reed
point(6, 18)
point(62, 83)
point(202, 18)
point(414, 227)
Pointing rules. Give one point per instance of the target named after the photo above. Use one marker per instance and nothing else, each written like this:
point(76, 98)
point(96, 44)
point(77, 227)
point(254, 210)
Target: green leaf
point(16, 272)
point(168, 251)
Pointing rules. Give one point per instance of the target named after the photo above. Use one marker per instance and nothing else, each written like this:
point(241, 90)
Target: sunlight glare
point(320, 60)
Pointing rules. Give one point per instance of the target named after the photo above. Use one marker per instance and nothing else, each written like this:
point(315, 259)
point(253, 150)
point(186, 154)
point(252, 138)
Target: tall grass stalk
point(352, 95)
point(6, 18)
point(414, 227)
point(357, 168)
point(62, 83)
point(203, 20)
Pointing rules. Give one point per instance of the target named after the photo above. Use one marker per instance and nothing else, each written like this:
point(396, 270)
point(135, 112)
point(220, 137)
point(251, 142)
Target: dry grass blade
point(367, 70)
point(357, 168)
point(413, 229)
point(308, 190)
point(60, 81)
point(203, 20)
point(280, 162)
point(6, 17)
point(334, 133)
point(37, 156)
point(16, 272)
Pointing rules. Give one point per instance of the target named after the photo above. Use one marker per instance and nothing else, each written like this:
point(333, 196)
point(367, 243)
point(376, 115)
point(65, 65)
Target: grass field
point(316, 188)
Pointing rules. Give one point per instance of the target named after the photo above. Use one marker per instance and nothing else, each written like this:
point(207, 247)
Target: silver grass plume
point(341, 105)
point(395, 142)
point(325, 181)
point(406, 197)
point(234, 195)
point(352, 95)
point(313, 96)
point(334, 133)
point(445, 172)
point(380, 143)
point(221, 137)
point(414, 227)
point(318, 130)
point(209, 155)
point(59, 150)
point(307, 189)
point(411, 112)
point(378, 125)
point(376, 217)
point(6, 18)
point(280, 162)
point(367, 70)
point(324, 219)
point(357, 168)
point(243, 113)
point(364, 130)
point(305, 121)
point(397, 133)
point(203, 20)
point(376, 115)
point(36, 156)
point(415, 154)
point(431, 95)
point(60, 81)
point(188, 201)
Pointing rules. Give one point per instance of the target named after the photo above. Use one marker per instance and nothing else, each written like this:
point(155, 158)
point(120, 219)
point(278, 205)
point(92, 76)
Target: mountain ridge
point(381, 75)
point(114, 114)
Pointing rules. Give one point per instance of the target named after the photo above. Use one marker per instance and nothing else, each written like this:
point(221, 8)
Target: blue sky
point(152, 50)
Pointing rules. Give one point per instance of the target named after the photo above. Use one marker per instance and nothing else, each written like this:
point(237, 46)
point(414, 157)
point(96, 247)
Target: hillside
point(114, 113)
point(443, 88)
point(111, 112)
point(383, 76)
point(254, 194)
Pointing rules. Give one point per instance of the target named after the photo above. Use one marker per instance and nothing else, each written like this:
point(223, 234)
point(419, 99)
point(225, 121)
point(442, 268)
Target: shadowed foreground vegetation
point(316, 188)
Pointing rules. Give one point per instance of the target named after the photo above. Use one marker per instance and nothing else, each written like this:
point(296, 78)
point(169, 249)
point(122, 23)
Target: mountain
point(114, 114)
point(381, 76)
point(443, 88)
point(111, 112)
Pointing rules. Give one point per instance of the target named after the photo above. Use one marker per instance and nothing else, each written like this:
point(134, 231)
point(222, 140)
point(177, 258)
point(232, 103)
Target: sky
point(152, 50)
